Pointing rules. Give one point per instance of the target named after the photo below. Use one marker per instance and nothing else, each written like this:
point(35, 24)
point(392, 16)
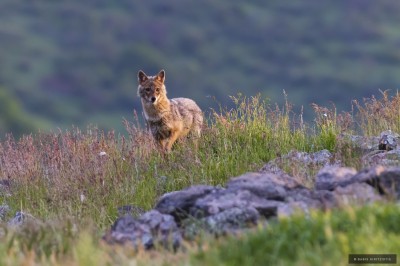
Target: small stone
point(20, 218)
point(102, 153)
point(388, 140)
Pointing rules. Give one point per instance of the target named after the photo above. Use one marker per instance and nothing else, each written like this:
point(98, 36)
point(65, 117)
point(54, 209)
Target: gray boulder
point(231, 220)
point(314, 199)
point(303, 200)
point(221, 201)
point(178, 203)
point(266, 186)
point(369, 175)
point(356, 194)
point(329, 177)
point(385, 179)
point(150, 230)
point(389, 182)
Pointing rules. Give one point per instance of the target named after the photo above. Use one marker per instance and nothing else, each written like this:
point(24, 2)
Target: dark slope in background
point(75, 62)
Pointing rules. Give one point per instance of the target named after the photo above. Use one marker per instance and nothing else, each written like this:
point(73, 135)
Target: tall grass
point(87, 174)
point(73, 181)
point(329, 125)
point(377, 115)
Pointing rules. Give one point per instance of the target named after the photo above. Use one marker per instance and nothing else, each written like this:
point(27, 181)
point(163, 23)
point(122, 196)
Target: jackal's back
point(188, 112)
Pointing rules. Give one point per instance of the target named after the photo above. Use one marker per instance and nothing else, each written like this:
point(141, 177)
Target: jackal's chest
point(160, 129)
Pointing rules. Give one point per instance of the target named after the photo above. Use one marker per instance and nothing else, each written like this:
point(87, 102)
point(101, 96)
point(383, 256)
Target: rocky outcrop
point(253, 198)
point(382, 150)
point(250, 199)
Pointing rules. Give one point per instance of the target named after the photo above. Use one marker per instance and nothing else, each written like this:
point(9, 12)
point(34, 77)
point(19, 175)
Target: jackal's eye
point(147, 89)
point(157, 89)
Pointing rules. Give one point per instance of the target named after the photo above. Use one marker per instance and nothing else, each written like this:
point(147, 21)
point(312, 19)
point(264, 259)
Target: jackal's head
point(151, 88)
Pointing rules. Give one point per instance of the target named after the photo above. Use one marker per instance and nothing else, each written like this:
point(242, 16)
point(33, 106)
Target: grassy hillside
point(75, 63)
point(71, 183)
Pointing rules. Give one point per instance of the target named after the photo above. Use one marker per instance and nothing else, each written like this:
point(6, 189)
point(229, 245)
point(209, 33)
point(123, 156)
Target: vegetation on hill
point(14, 116)
point(72, 182)
point(75, 63)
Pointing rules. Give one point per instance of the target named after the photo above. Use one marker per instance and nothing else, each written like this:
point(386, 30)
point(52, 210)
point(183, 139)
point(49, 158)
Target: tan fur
point(168, 119)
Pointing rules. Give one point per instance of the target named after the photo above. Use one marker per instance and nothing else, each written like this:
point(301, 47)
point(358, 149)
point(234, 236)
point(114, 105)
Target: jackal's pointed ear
point(161, 76)
point(142, 76)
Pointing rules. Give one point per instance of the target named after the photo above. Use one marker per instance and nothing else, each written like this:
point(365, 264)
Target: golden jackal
point(167, 119)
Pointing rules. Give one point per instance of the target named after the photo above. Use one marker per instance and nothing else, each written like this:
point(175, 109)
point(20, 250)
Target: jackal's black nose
point(153, 99)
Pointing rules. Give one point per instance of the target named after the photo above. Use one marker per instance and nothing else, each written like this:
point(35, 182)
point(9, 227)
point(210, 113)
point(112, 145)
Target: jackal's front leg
point(172, 139)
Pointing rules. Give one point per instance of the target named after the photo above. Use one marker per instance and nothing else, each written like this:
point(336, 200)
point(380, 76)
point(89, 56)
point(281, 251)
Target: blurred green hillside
point(75, 62)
